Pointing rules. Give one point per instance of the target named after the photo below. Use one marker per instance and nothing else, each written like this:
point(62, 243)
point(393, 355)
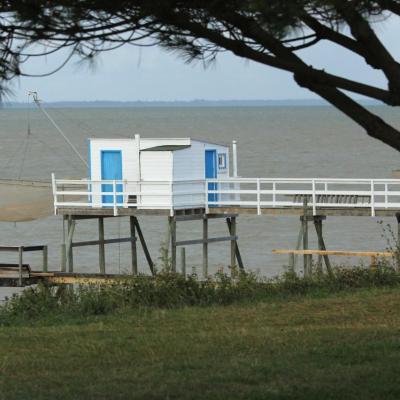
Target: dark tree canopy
point(270, 32)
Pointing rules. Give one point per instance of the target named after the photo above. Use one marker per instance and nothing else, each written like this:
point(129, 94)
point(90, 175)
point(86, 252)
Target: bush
point(169, 290)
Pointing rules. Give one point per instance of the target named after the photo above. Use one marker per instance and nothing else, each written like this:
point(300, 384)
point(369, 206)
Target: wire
point(59, 130)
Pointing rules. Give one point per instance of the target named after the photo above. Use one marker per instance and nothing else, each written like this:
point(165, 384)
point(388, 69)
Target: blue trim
point(210, 157)
point(116, 174)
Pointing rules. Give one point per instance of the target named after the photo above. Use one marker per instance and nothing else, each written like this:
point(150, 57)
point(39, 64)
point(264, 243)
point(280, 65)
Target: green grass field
point(342, 345)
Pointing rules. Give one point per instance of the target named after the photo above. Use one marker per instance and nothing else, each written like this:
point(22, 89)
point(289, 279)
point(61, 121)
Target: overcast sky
point(130, 74)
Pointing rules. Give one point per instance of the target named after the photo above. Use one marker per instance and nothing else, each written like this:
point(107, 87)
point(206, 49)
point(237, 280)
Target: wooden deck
point(82, 212)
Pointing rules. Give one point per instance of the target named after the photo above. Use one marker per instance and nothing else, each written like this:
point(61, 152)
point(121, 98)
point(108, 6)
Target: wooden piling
point(237, 251)
point(144, 245)
point(233, 242)
point(45, 258)
point(304, 223)
point(68, 246)
point(133, 246)
point(397, 250)
point(205, 246)
point(63, 262)
point(321, 244)
point(172, 227)
point(102, 251)
point(183, 261)
point(20, 264)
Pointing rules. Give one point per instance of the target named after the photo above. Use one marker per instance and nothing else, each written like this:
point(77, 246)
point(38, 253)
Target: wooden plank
point(196, 217)
point(34, 248)
point(336, 253)
point(105, 241)
point(207, 241)
point(144, 246)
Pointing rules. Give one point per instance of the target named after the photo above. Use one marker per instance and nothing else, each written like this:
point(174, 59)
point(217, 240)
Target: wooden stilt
point(133, 246)
point(20, 264)
point(63, 261)
point(205, 247)
point(45, 258)
point(304, 224)
point(293, 257)
point(398, 242)
point(144, 246)
point(183, 261)
point(68, 246)
point(102, 253)
point(237, 251)
point(172, 225)
point(63, 264)
point(321, 243)
point(233, 242)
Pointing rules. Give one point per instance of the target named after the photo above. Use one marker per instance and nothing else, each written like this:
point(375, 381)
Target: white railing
point(257, 193)
point(262, 193)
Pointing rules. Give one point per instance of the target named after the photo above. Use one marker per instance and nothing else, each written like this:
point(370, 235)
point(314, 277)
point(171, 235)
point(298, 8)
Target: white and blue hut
point(166, 173)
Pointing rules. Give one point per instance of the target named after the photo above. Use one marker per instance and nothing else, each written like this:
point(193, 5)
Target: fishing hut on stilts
point(187, 179)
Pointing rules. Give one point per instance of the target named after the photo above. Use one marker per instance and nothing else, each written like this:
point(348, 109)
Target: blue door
point(111, 169)
point(211, 172)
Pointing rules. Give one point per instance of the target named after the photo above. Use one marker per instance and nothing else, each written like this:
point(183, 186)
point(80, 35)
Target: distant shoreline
point(171, 104)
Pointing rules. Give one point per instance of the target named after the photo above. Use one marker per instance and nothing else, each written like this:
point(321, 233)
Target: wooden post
point(133, 246)
point(304, 224)
point(237, 251)
point(68, 246)
point(321, 243)
point(293, 257)
point(45, 258)
point(20, 264)
point(63, 262)
point(183, 261)
point(205, 246)
point(172, 225)
point(144, 246)
point(233, 242)
point(63, 265)
point(397, 250)
point(102, 252)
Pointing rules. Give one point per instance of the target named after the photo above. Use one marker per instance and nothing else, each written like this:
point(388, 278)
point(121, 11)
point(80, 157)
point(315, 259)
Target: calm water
point(272, 142)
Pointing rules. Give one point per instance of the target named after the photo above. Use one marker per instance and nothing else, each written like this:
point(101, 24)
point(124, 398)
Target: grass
point(340, 346)
point(294, 342)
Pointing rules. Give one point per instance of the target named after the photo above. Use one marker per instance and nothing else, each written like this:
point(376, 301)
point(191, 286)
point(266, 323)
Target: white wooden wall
point(189, 164)
point(130, 164)
point(156, 168)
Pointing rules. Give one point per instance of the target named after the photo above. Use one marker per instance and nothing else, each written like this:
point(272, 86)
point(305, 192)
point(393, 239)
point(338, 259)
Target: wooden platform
point(334, 212)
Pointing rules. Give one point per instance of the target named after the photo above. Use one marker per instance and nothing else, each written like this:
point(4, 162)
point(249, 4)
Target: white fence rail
point(257, 193)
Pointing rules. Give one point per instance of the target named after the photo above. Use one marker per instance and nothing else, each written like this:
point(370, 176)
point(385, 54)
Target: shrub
point(169, 290)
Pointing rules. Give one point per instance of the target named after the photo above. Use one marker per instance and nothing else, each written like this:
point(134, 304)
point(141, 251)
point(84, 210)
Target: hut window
point(222, 161)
